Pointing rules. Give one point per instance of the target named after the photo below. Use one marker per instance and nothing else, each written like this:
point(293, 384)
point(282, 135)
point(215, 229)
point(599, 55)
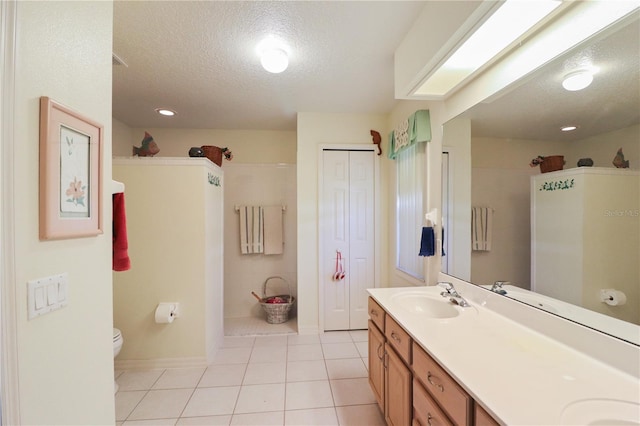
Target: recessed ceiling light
point(165, 112)
point(273, 55)
point(568, 128)
point(577, 80)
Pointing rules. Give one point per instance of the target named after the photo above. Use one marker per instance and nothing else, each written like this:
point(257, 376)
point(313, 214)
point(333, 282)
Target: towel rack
point(116, 187)
point(237, 208)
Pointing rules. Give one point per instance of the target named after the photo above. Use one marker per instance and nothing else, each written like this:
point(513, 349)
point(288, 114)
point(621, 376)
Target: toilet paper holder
point(166, 312)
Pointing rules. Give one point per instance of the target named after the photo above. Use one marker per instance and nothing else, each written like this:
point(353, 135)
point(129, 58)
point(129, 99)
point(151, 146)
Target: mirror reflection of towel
point(427, 242)
point(481, 228)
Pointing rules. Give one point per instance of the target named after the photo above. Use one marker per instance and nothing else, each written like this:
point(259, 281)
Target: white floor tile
point(260, 398)
point(154, 422)
point(303, 371)
point(259, 373)
point(360, 415)
point(138, 379)
point(126, 402)
point(270, 341)
point(303, 339)
point(270, 354)
point(223, 375)
point(359, 335)
point(335, 337)
point(303, 395)
point(315, 416)
point(352, 392)
point(363, 348)
point(238, 341)
point(233, 355)
point(212, 401)
point(204, 421)
point(179, 378)
point(275, 418)
point(304, 353)
point(340, 350)
point(161, 404)
point(349, 368)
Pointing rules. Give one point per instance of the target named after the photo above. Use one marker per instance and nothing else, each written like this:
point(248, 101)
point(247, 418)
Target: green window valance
point(413, 130)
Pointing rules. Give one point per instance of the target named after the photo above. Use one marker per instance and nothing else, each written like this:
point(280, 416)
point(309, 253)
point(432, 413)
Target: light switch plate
point(47, 294)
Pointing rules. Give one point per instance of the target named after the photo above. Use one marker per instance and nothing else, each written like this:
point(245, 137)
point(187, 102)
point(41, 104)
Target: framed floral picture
point(70, 178)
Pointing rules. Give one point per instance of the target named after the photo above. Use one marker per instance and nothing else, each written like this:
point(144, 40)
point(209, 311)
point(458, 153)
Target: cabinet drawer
point(483, 418)
point(398, 338)
point(445, 391)
point(425, 410)
point(376, 313)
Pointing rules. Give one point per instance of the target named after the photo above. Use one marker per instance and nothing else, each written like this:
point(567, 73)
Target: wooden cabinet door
point(398, 390)
point(376, 363)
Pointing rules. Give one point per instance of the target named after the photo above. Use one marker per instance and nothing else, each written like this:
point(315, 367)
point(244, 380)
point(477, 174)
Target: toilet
point(117, 345)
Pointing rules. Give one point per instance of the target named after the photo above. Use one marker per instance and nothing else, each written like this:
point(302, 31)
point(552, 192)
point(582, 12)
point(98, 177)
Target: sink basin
point(601, 412)
point(426, 305)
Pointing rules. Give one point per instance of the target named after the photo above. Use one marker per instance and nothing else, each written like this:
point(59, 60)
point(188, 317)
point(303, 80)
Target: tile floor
point(258, 380)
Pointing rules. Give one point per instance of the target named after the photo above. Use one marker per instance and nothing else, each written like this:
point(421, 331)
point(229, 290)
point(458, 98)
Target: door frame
point(9, 382)
point(376, 217)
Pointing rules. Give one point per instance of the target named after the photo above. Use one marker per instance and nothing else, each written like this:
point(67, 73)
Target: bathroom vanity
point(432, 362)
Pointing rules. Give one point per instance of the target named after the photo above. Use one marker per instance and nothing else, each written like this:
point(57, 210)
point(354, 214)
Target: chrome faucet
point(453, 296)
point(497, 287)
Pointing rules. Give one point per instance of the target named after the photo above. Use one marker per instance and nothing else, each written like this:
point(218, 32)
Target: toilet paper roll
point(165, 313)
point(613, 297)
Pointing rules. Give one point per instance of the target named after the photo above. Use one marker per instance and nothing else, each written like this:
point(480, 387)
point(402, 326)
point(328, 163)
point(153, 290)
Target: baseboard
point(149, 364)
point(308, 330)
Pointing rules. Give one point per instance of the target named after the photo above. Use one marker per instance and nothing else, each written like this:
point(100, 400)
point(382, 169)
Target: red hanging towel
point(121, 261)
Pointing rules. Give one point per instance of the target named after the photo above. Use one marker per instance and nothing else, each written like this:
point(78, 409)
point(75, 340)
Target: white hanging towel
point(481, 228)
point(273, 237)
point(251, 229)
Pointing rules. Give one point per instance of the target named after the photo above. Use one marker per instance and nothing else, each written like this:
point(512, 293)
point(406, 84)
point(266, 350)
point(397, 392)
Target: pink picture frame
point(70, 173)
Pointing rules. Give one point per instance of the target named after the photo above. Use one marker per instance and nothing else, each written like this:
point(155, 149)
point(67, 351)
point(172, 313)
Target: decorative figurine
point(585, 162)
point(619, 160)
point(376, 140)
point(149, 147)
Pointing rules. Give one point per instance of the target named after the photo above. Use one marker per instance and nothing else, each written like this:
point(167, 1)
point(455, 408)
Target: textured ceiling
point(199, 59)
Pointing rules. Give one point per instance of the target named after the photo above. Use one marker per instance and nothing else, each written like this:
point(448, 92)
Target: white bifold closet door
point(347, 216)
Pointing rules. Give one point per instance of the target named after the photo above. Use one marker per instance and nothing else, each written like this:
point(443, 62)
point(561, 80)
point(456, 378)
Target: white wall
point(257, 184)
point(65, 357)
point(315, 129)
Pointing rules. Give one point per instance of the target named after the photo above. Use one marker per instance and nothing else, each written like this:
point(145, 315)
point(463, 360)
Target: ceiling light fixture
point(568, 128)
point(273, 55)
point(165, 112)
point(577, 80)
point(512, 20)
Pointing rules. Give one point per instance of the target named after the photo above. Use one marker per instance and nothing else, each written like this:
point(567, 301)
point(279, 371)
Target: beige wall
point(248, 146)
point(65, 357)
point(315, 129)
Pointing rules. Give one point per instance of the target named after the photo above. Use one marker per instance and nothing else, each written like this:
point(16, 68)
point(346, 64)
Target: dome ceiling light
point(568, 128)
point(577, 80)
point(273, 55)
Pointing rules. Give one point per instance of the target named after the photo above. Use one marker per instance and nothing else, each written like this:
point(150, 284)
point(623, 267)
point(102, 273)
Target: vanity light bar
point(513, 19)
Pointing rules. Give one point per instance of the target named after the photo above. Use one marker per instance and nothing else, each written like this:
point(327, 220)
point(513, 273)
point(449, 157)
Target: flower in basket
point(228, 155)
point(536, 161)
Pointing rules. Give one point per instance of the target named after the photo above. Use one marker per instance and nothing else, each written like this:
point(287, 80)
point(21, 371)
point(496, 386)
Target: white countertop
point(517, 374)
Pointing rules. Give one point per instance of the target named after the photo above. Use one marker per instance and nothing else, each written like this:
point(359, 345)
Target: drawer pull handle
point(429, 417)
point(374, 313)
point(437, 385)
point(380, 346)
point(395, 337)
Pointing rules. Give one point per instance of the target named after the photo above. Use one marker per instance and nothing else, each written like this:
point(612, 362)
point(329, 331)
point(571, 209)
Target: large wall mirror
point(491, 147)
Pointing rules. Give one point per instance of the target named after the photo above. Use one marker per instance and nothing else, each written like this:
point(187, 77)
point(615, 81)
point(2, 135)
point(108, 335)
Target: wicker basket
point(552, 163)
point(213, 153)
point(277, 313)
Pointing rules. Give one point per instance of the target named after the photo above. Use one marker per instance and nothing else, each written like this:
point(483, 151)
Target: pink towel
point(121, 261)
